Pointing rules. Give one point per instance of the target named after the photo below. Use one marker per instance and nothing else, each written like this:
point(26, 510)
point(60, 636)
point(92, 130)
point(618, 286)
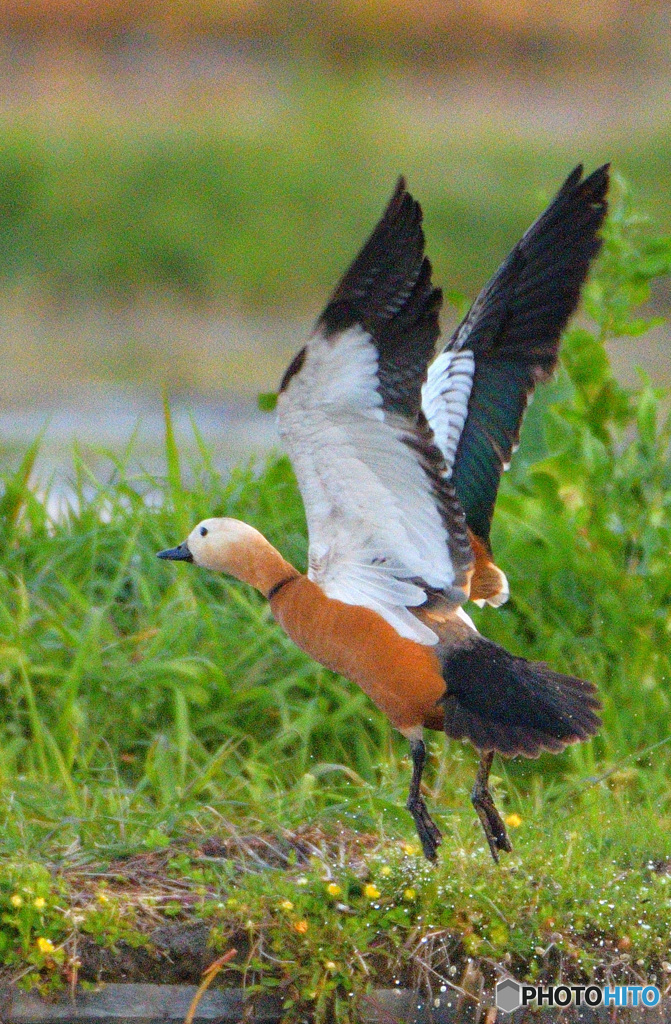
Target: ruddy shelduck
point(398, 457)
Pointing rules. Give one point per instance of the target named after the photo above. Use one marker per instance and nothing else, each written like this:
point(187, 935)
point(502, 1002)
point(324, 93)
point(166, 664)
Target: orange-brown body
point(401, 677)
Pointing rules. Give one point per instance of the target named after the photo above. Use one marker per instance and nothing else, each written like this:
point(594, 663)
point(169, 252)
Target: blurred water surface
point(59, 381)
point(97, 415)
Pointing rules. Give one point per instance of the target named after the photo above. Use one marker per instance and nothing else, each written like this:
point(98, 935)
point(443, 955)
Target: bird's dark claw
point(490, 819)
point(429, 834)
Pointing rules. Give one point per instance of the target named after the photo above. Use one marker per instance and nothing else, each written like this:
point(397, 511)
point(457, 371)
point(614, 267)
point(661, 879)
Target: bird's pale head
point(229, 546)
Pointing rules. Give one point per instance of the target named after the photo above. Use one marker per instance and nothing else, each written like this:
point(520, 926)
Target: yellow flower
point(513, 820)
point(45, 945)
point(333, 889)
point(16, 900)
point(286, 905)
point(300, 926)
point(40, 903)
point(102, 898)
point(410, 894)
point(498, 934)
point(385, 871)
point(410, 850)
point(371, 893)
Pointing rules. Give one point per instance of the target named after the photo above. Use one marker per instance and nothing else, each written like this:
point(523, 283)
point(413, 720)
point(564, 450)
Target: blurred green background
point(181, 184)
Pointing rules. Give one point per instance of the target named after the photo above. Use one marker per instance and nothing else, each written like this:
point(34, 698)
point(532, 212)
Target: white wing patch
point(373, 520)
point(445, 396)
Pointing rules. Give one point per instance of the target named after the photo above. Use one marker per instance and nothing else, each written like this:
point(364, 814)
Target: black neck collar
point(278, 586)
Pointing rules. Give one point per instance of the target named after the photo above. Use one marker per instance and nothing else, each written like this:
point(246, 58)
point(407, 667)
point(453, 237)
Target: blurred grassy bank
point(259, 200)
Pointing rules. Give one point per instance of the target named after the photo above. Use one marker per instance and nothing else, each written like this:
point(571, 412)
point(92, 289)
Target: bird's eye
point(203, 531)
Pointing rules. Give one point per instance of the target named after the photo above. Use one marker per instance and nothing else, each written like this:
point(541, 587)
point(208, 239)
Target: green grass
point(264, 201)
point(150, 710)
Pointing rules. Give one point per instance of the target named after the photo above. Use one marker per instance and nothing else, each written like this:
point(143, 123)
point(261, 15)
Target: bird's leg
point(482, 800)
point(428, 832)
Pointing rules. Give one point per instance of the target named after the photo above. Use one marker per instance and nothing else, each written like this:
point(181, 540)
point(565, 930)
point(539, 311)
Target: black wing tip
point(402, 195)
point(572, 181)
point(600, 175)
point(583, 200)
point(402, 214)
point(389, 282)
point(575, 219)
point(400, 192)
point(592, 190)
point(575, 177)
point(595, 186)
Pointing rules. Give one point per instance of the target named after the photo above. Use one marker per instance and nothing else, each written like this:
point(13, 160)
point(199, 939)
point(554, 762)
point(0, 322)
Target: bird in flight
point(398, 453)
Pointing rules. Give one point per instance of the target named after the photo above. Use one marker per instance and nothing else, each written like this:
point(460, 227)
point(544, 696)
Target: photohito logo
point(510, 995)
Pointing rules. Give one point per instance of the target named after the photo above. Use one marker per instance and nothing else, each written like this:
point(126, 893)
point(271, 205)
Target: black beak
point(178, 554)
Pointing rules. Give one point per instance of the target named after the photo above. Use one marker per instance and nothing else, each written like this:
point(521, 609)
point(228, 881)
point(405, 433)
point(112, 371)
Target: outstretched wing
point(478, 389)
point(385, 525)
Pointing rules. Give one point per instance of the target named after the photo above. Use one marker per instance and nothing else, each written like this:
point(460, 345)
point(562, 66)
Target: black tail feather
point(513, 706)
